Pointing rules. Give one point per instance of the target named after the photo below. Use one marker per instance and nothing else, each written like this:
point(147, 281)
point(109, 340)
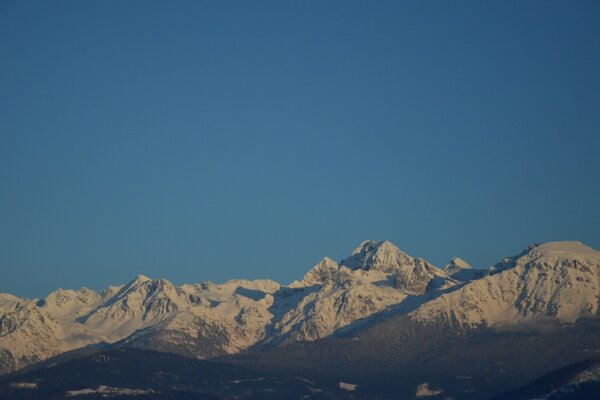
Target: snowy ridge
point(378, 256)
point(557, 280)
point(460, 270)
point(455, 265)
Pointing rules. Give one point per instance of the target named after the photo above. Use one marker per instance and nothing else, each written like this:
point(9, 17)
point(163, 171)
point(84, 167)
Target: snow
point(590, 374)
point(319, 274)
point(559, 280)
point(567, 250)
point(24, 385)
point(424, 390)
point(371, 255)
point(456, 264)
point(348, 386)
point(141, 278)
point(107, 391)
point(460, 263)
point(8, 302)
point(247, 380)
point(8, 297)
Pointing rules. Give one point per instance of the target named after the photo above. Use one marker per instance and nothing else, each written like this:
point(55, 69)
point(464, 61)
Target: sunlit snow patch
point(24, 385)
point(423, 390)
point(348, 386)
point(110, 391)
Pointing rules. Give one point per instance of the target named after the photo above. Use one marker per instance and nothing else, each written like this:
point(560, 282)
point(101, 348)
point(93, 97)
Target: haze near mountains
point(557, 281)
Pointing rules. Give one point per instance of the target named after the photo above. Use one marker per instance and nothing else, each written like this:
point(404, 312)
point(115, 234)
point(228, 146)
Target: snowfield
point(107, 391)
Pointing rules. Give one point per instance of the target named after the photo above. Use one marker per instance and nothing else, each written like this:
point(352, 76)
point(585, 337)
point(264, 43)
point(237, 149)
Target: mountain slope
point(376, 277)
point(559, 280)
point(34, 330)
point(143, 374)
point(391, 359)
point(551, 282)
point(580, 381)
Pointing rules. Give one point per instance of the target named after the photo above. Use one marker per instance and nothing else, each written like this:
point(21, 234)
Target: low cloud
point(538, 325)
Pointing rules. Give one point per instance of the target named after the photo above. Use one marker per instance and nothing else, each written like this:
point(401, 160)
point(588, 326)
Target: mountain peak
point(456, 264)
point(364, 246)
point(371, 255)
point(557, 280)
point(368, 245)
point(324, 270)
point(141, 278)
point(551, 251)
point(137, 281)
point(460, 261)
point(571, 250)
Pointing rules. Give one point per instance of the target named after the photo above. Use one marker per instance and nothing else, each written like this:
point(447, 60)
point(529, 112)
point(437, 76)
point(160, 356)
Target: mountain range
point(379, 309)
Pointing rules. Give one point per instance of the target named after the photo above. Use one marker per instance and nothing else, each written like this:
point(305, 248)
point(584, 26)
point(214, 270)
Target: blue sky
point(211, 140)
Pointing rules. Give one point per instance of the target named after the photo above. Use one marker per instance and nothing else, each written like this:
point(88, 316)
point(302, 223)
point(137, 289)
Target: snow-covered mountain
point(459, 269)
point(219, 318)
point(559, 280)
point(456, 265)
point(554, 280)
point(375, 277)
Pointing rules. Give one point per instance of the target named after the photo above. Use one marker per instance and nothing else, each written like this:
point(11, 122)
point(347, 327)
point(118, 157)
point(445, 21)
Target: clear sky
point(210, 140)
